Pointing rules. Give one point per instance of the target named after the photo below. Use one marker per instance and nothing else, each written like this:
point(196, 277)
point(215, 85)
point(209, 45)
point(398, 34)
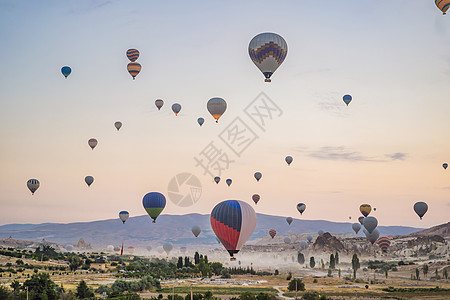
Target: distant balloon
point(229, 181)
point(303, 245)
point(134, 68)
point(360, 220)
point(373, 236)
point(287, 240)
point(159, 103)
point(320, 232)
point(301, 207)
point(256, 198)
point(154, 204)
point(289, 160)
point(92, 143)
point(167, 247)
point(89, 180)
point(272, 233)
point(33, 185)
point(420, 208)
point(233, 222)
point(132, 54)
point(216, 107)
point(217, 179)
point(374, 209)
point(258, 176)
point(365, 209)
point(267, 51)
point(66, 70)
point(131, 249)
point(123, 215)
point(149, 248)
point(347, 99)
point(370, 223)
point(110, 248)
point(384, 243)
point(445, 165)
point(183, 249)
point(176, 108)
point(196, 230)
point(356, 227)
point(200, 121)
point(116, 248)
point(68, 247)
point(443, 5)
point(309, 238)
point(118, 125)
point(289, 220)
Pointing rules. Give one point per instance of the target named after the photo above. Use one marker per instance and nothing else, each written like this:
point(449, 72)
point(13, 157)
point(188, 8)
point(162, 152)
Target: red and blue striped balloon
point(132, 54)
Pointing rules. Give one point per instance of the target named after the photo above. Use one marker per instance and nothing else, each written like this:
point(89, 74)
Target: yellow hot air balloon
point(365, 209)
point(134, 68)
point(443, 5)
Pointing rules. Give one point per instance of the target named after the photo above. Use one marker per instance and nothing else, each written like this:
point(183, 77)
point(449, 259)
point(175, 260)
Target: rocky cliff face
point(327, 243)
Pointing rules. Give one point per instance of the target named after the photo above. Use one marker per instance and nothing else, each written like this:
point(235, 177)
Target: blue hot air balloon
point(66, 71)
point(229, 181)
point(200, 121)
point(123, 215)
point(217, 179)
point(154, 204)
point(347, 99)
point(301, 207)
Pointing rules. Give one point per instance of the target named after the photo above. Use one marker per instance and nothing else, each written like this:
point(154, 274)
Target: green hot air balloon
point(154, 204)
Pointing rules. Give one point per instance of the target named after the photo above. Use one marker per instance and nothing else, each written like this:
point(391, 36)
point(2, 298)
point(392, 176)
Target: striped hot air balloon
point(272, 233)
point(365, 209)
point(132, 54)
point(154, 204)
point(233, 222)
point(384, 243)
point(134, 68)
point(256, 198)
point(443, 5)
point(216, 107)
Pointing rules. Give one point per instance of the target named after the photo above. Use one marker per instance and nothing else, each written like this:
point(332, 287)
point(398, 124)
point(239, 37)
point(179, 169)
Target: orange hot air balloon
point(365, 209)
point(272, 233)
point(443, 5)
point(134, 68)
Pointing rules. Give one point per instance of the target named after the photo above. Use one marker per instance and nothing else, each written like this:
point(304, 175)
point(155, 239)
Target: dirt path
point(280, 293)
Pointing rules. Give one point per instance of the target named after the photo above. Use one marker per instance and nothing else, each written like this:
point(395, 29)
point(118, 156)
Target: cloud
point(397, 156)
point(345, 154)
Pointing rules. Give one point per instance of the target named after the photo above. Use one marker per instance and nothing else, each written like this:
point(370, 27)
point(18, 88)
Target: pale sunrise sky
point(386, 148)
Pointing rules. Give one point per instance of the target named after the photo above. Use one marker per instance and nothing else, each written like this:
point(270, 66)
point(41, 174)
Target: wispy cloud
point(397, 156)
point(345, 154)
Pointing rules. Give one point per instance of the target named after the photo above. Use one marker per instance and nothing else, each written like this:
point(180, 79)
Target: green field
point(228, 290)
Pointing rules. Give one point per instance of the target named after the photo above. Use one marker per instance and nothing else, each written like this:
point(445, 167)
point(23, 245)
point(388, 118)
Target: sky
point(386, 148)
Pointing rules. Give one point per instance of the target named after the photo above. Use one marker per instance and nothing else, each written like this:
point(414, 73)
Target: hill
point(442, 230)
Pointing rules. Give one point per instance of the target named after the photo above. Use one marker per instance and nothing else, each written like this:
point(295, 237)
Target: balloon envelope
point(320, 232)
point(384, 243)
point(303, 245)
point(66, 70)
point(420, 208)
point(216, 107)
point(134, 68)
point(233, 222)
point(200, 121)
point(159, 103)
point(149, 248)
point(347, 99)
point(167, 247)
point(217, 179)
point(372, 236)
point(123, 215)
point(365, 209)
point(445, 165)
point(154, 204)
point(33, 185)
point(258, 176)
point(272, 233)
point(443, 5)
point(229, 181)
point(256, 198)
point(289, 220)
point(287, 240)
point(361, 219)
point(132, 54)
point(370, 223)
point(309, 238)
point(118, 125)
point(92, 143)
point(176, 108)
point(89, 180)
point(267, 51)
point(196, 230)
point(289, 160)
point(301, 207)
point(356, 227)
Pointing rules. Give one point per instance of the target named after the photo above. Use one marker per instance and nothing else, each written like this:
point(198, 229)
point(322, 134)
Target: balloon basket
point(232, 258)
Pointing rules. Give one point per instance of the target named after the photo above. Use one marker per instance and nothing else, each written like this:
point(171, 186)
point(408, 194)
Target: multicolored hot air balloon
point(272, 233)
point(356, 227)
point(132, 54)
point(154, 204)
point(370, 223)
point(134, 68)
point(89, 180)
point(92, 143)
point(420, 208)
point(233, 222)
point(443, 5)
point(365, 209)
point(360, 220)
point(347, 99)
point(66, 70)
point(445, 165)
point(229, 181)
point(267, 51)
point(200, 121)
point(256, 198)
point(196, 230)
point(176, 108)
point(123, 215)
point(258, 176)
point(183, 249)
point(289, 160)
point(289, 220)
point(159, 103)
point(217, 179)
point(216, 107)
point(33, 185)
point(118, 125)
point(301, 207)
point(384, 243)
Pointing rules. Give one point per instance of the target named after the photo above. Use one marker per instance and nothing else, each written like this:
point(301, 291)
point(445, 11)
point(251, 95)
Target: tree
point(339, 272)
point(216, 268)
point(445, 274)
point(336, 258)
point(296, 284)
point(40, 286)
point(417, 274)
point(300, 258)
point(312, 262)
point(289, 276)
point(386, 273)
point(4, 293)
point(355, 264)
point(15, 285)
point(180, 262)
point(196, 258)
point(83, 291)
point(332, 261)
point(425, 270)
point(321, 262)
point(74, 262)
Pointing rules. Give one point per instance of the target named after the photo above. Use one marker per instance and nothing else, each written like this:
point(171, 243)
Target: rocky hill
point(441, 230)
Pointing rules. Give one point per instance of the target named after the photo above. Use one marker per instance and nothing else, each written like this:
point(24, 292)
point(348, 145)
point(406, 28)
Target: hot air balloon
point(176, 108)
point(92, 143)
point(217, 179)
point(272, 233)
point(196, 230)
point(258, 176)
point(123, 215)
point(303, 245)
point(216, 107)
point(154, 204)
point(365, 209)
point(167, 247)
point(69, 247)
point(289, 220)
point(445, 165)
point(134, 68)
point(149, 248)
point(443, 5)
point(233, 222)
point(200, 121)
point(347, 99)
point(267, 51)
point(33, 185)
point(110, 248)
point(384, 243)
point(320, 232)
point(118, 125)
point(301, 207)
point(370, 223)
point(420, 208)
point(160, 251)
point(360, 220)
point(256, 198)
point(356, 227)
point(183, 249)
point(89, 180)
point(309, 238)
point(374, 209)
point(229, 181)
point(131, 249)
point(289, 160)
point(66, 70)
point(132, 54)
point(159, 103)
point(116, 248)
point(287, 240)
point(372, 236)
